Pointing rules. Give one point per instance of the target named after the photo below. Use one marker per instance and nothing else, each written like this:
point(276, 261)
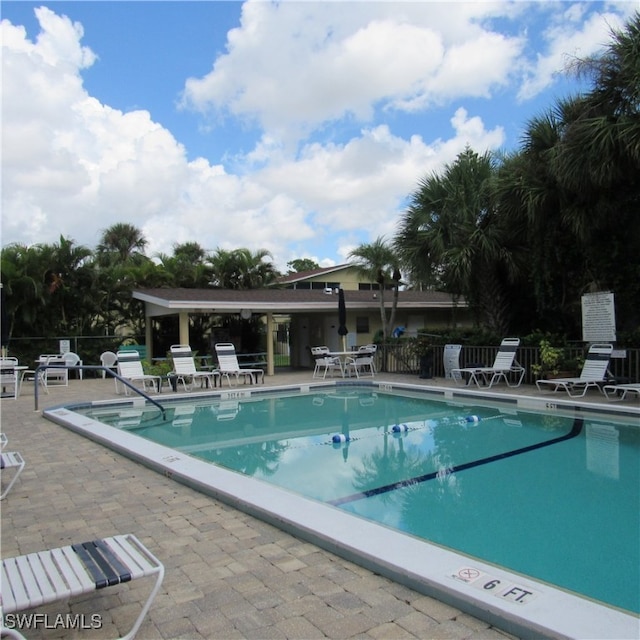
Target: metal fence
point(396, 357)
point(400, 357)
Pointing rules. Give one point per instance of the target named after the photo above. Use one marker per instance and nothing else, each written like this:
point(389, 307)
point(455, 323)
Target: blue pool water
point(550, 496)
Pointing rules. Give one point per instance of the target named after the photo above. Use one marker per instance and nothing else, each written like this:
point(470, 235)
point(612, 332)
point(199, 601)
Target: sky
point(298, 127)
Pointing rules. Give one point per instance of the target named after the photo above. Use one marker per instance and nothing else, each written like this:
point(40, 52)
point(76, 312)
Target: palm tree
point(242, 269)
point(188, 266)
point(122, 242)
point(378, 262)
point(452, 235)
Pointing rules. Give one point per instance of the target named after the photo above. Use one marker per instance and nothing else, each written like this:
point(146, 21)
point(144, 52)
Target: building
point(307, 303)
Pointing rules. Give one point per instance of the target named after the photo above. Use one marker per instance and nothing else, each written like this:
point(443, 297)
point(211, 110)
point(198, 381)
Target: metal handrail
point(92, 367)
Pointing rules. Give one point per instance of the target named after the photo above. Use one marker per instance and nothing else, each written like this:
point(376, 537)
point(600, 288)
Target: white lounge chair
point(57, 574)
point(130, 368)
point(620, 391)
point(184, 368)
point(325, 363)
point(228, 365)
point(505, 367)
point(594, 373)
point(10, 460)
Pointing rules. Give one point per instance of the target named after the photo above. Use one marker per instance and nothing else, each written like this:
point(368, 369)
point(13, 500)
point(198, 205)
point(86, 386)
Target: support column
point(148, 336)
point(270, 357)
point(184, 327)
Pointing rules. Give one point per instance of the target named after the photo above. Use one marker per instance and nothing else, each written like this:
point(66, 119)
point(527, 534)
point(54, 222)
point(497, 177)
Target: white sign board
point(598, 317)
point(65, 346)
point(451, 358)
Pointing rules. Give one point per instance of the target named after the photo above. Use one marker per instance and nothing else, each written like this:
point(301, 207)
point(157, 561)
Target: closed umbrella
point(342, 319)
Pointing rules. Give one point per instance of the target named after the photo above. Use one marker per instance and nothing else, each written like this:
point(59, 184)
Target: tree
point(121, 242)
point(452, 235)
point(49, 288)
point(242, 269)
point(300, 265)
point(188, 266)
point(378, 262)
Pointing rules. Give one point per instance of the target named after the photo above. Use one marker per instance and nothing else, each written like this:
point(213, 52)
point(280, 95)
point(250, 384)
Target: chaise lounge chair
point(505, 366)
point(130, 368)
point(184, 368)
point(620, 391)
point(57, 574)
point(228, 364)
point(594, 373)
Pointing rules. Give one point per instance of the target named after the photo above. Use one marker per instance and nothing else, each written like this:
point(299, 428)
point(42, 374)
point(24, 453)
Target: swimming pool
point(495, 482)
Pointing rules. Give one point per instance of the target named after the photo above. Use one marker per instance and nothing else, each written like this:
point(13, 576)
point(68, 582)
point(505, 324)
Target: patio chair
point(325, 363)
point(505, 367)
point(594, 373)
point(620, 391)
point(184, 368)
point(362, 363)
point(3, 440)
point(228, 365)
point(10, 460)
point(110, 360)
point(57, 374)
point(72, 359)
point(10, 377)
point(130, 368)
point(57, 574)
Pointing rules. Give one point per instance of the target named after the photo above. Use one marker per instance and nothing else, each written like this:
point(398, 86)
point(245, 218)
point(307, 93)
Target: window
point(362, 324)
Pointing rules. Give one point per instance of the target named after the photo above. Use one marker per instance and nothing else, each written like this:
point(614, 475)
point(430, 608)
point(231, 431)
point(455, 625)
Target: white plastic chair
point(56, 375)
point(362, 363)
point(324, 363)
point(10, 377)
point(73, 359)
point(110, 360)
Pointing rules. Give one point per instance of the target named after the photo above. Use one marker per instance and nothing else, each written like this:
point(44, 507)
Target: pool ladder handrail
point(92, 367)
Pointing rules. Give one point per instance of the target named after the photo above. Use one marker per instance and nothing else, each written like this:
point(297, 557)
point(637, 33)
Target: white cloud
point(74, 166)
point(323, 61)
point(570, 38)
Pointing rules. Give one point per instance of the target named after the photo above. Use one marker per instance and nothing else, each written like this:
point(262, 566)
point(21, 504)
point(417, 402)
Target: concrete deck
point(228, 575)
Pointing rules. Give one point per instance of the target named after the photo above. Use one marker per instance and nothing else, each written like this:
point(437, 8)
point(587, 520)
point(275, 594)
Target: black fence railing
point(400, 357)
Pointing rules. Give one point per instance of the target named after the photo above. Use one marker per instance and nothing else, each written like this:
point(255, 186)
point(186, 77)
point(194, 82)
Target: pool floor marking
point(490, 584)
point(575, 431)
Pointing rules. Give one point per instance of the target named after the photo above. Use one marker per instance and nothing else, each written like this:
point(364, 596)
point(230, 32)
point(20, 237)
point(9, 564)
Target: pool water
point(549, 496)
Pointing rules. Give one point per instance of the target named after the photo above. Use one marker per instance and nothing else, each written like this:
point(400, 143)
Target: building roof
point(301, 276)
point(166, 300)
